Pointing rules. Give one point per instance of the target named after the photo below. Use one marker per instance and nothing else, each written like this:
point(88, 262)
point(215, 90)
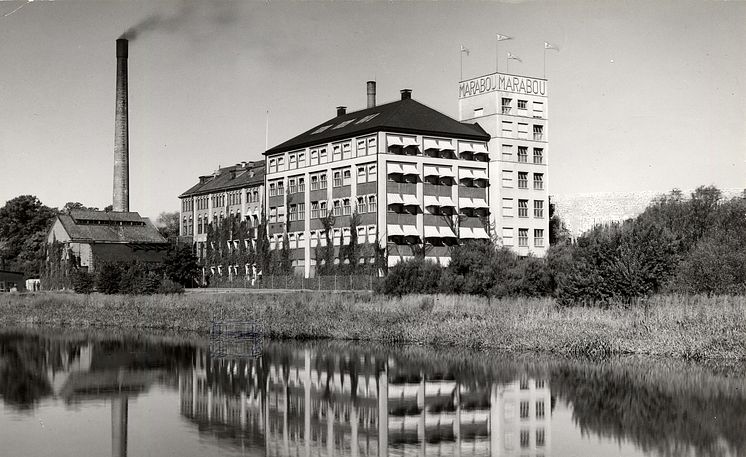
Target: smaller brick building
point(98, 236)
point(11, 281)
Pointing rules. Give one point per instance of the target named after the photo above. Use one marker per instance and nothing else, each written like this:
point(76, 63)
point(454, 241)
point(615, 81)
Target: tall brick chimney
point(371, 89)
point(121, 134)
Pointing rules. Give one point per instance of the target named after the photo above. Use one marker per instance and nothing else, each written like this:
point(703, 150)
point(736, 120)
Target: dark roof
point(233, 177)
point(109, 231)
point(402, 116)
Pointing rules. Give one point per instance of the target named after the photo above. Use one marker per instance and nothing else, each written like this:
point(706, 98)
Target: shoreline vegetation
point(689, 327)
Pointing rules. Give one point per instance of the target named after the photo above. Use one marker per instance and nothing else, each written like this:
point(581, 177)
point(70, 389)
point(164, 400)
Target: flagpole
point(497, 56)
point(545, 61)
point(461, 60)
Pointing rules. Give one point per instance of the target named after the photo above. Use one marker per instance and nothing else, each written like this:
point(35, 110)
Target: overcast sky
point(643, 95)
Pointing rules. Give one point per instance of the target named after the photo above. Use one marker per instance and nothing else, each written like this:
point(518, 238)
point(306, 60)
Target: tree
point(168, 225)
point(70, 206)
point(24, 222)
point(180, 265)
point(479, 268)
point(558, 233)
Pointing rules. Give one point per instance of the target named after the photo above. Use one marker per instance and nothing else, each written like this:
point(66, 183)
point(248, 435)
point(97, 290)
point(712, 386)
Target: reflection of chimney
point(371, 93)
point(121, 134)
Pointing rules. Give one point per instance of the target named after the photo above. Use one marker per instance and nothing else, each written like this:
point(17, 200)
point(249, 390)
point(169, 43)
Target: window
point(346, 177)
point(293, 213)
point(273, 215)
point(523, 237)
point(538, 109)
point(321, 129)
point(522, 208)
point(301, 211)
point(507, 152)
point(360, 148)
point(538, 155)
point(507, 236)
point(539, 209)
point(280, 163)
point(540, 409)
point(522, 104)
point(314, 210)
point(346, 235)
point(337, 211)
point(361, 237)
point(346, 209)
point(291, 186)
point(293, 161)
point(323, 209)
point(538, 132)
point(272, 189)
point(538, 181)
point(524, 410)
point(522, 154)
point(314, 156)
point(522, 180)
point(525, 437)
point(522, 130)
point(539, 383)
point(372, 173)
point(323, 158)
point(539, 238)
point(371, 233)
point(314, 182)
point(507, 178)
point(367, 118)
point(362, 174)
point(280, 188)
point(347, 150)
point(478, 112)
point(301, 184)
point(372, 203)
point(507, 129)
point(337, 179)
point(336, 152)
point(361, 206)
point(314, 239)
point(342, 124)
point(506, 105)
point(322, 181)
point(372, 146)
point(272, 165)
point(301, 159)
point(507, 207)
point(337, 237)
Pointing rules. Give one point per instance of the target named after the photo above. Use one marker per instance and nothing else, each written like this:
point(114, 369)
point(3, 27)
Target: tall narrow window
point(538, 181)
point(522, 154)
point(505, 106)
point(523, 180)
point(538, 155)
point(523, 237)
point(538, 132)
point(539, 209)
point(522, 208)
point(539, 238)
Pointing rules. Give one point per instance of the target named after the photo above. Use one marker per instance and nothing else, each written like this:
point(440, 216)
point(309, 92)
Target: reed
point(680, 326)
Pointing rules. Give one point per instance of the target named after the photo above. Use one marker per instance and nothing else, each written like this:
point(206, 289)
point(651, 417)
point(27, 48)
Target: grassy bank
point(689, 327)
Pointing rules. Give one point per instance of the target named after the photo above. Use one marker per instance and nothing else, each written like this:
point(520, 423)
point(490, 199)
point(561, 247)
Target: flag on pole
point(548, 45)
point(463, 49)
point(503, 37)
point(511, 56)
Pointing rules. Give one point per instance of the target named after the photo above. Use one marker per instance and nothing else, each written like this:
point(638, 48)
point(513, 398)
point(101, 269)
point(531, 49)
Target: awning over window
point(409, 169)
point(446, 145)
point(466, 146)
point(479, 203)
point(465, 233)
point(446, 172)
point(410, 230)
point(431, 200)
point(430, 143)
point(393, 167)
point(465, 173)
point(446, 232)
point(464, 202)
point(409, 141)
point(480, 233)
point(480, 173)
point(410, 199)
point(393, 140)
point(394, 199)
point(395, 230)
point(480, 148)
point(444, 261)
point(446, 202)
point(431, 232)
point(431, 170)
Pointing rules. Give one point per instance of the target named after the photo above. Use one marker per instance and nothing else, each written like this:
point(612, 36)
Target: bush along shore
point(688, 327)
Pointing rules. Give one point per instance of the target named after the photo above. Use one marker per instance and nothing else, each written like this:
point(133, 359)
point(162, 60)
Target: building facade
point(416, 178)
point(514, 111)
point(236, 191)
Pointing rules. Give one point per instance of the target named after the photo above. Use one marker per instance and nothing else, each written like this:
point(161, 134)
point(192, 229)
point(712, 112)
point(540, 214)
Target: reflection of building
point(357, 405)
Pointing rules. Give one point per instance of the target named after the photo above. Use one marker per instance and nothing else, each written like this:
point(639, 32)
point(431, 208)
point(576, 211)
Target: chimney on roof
point(341, 110)
point(371, 85)
point(121, 200)
point(406, 94)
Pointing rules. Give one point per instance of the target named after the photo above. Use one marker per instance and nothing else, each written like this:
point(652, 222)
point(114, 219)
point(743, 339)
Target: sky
point(643, 95)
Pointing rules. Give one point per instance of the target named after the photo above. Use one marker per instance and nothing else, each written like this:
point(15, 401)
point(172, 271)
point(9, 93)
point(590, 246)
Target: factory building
point(416, 178)
point(236, 191)
point(514, 111)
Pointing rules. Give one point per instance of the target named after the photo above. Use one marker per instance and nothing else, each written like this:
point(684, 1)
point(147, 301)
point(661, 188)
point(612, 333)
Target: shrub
point(82, 281)
point(170, 287)
point(411, 276)
point(108, 278)
point(479, 268)
point(180, 265)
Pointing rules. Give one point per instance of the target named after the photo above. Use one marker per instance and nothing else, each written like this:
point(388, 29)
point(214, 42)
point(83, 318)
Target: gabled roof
point(226, 178)
point(402, 116)
point(83, 226)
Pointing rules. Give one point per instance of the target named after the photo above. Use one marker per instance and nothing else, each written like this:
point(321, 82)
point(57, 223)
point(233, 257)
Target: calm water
point(89, 394)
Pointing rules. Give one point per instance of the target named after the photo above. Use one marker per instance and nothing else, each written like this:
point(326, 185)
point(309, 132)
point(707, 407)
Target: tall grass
point(689, 327)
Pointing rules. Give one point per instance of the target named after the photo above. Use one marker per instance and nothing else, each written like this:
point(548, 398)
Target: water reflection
point(346, 400)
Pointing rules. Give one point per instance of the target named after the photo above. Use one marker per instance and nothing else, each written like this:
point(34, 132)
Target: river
point(79, 393)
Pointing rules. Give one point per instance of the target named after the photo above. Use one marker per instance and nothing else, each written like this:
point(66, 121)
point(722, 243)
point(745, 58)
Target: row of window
point(523, 208)
point(219, 200)
point(521, 107)
point(523, 237)
point(338, 236)
point(204, 221)
point(187, 205)
point(320, 155)
point(507, 180)
point(508, 130)
point(522, 156)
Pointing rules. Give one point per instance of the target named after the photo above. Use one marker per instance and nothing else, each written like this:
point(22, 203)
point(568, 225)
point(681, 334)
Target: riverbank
point(688, 327)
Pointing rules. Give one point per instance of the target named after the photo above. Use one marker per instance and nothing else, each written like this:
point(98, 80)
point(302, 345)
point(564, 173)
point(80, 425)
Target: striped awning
point(393, 140)
point(409, 169)
point(480, 148)
point(409, 141)
point(394, 199)
point(446, 171)
point(431, 170)
point(395, 230)
point(393, 167)
point(479, 173)
point(430, 143)
point(446, 145)
point(431, 200)
point(466, 146)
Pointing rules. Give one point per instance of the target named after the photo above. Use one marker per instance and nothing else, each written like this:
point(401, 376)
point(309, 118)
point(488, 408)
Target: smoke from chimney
point(371, 85)
point(121, 134)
